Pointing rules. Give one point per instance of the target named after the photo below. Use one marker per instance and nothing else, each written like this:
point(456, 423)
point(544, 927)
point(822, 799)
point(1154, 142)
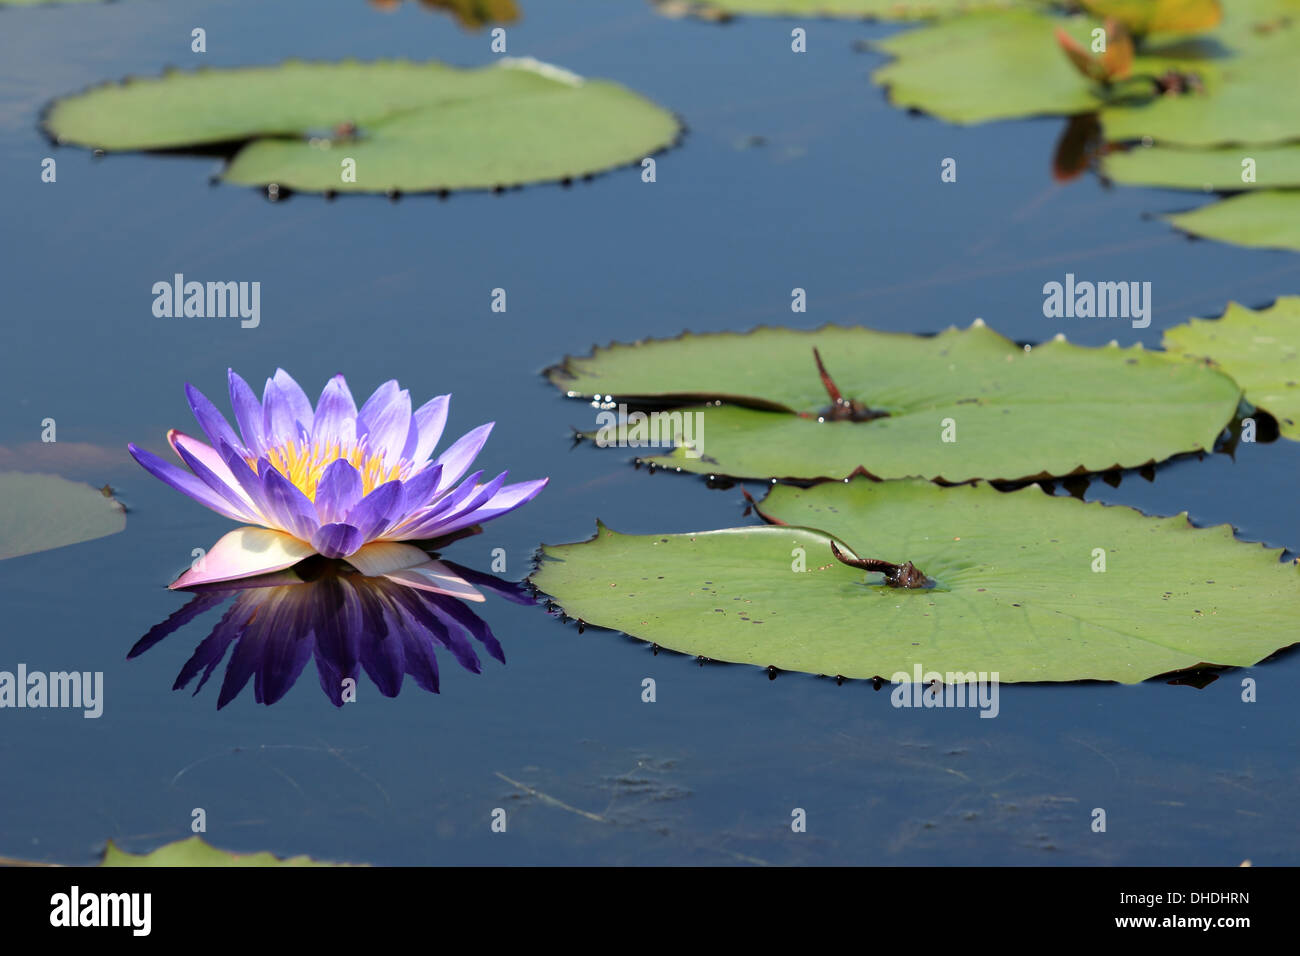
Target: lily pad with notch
point(1260, 349)
point(886, 399)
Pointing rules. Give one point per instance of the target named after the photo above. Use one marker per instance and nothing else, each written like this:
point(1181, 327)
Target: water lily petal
point(210, 457)
point(419, 516)
point(456, 460)
point(438, 578)
point(435, 522)
point(184, 482)
point(420, 489)
point(505, 501)
point(376, 510)
point(381, 557)
point(251, 484)
point(248, 413)
point(291, 509)
point(338, 491)
point(295, 397)
point(427, 424)
point(385, 422)
point(379, 398)
point(278, 422)
point(211, 420)
point(243, 553)
point(222, 483)
point(337, 540)
point(335, 422)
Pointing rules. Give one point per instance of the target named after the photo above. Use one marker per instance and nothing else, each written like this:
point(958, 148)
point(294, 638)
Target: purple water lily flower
point(334, 481)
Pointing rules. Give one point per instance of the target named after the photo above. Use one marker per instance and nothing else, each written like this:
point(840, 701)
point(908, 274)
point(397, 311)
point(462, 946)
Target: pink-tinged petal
point(381, 557)
point(427, 423)
point(184, 482)
point(213, 461)
point(385, 425)
point(248, 413)
point(335, 422)
point(227, 489)
point(243, 553)
point(438, 578)
point(212, 422)
point(337, 540)
point(456, 460)
point(338, 491)
point(251, 484)
point(295, 397)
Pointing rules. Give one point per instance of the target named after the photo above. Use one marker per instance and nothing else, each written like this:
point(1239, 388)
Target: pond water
point(839, 194)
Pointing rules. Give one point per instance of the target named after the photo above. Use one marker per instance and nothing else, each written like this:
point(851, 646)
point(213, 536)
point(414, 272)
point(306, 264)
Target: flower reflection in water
point(348, 621)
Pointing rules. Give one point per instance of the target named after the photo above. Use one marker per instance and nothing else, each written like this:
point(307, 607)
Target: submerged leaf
point(1056, 410)
point(1258, 348)
point(1017, 591)
point(398, 126)
point(43, 512)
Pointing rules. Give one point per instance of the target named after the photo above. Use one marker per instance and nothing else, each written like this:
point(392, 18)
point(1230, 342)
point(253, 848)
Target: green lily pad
point(1007, 65)
point(1246, 99)
point(845, 9)
point(1260, 349)
point(1056, 410)
point(1014, 591)
point(1268, 219)
point(43, 512)
point(1152, 16)
point(1209, 169)
point(409, 127)
point(196, 852)
point(986, 66)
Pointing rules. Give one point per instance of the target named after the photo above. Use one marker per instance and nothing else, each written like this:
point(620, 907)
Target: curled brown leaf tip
point(841, 408)
point(906, 575)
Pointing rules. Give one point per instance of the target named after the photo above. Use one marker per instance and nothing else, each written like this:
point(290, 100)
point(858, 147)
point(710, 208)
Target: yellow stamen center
point(303, 464)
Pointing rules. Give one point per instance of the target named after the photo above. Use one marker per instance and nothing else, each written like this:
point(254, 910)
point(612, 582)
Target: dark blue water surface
point(842, 198)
